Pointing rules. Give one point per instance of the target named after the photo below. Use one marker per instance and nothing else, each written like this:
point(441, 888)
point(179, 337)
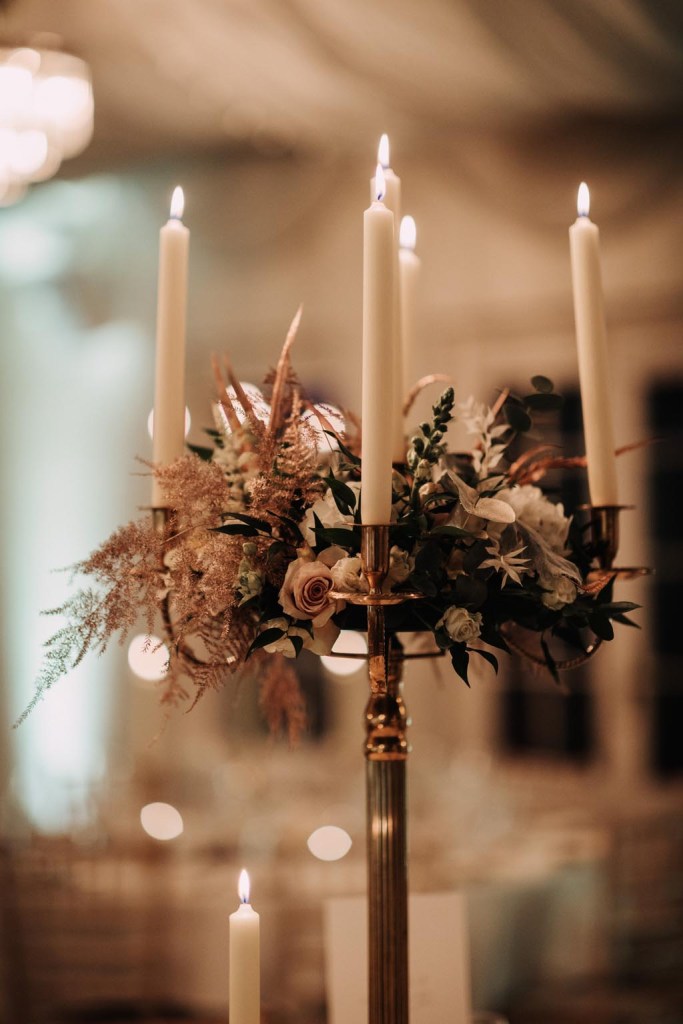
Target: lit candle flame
point(383, 151)
point(380, 183)
point(177, 203)
point(243, 886)
point(583, 200)
point(407, 235)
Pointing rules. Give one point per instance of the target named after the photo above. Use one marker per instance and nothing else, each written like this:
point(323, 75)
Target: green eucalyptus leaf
point(276, 549)
point(424, 583)
point(258, 524)
point(517, 417)
point(543, 402)
point(429, 559)
point(353, 459)
point(491, 636)
point(487, 656)
point(542, 384)
point(336, 535)
point(618, 606)
point(268, 636)
point(344, 498)
point(460, 660)
point(624, 620)
point(449, 531)
point(601, 626)
point(470, 592)
point(236, 530)
point(205, 454)
point(549, 660)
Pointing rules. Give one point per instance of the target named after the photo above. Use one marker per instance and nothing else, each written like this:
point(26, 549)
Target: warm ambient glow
point(383, 151)
point(150, 422)
point(380, 183)
point(407, 235)
point(148, 657)
point(161, 821)
point(243, 887)
point(350, 643)
point(46, 114)
point(329, 842)
point(583, 200)
point(177, 203)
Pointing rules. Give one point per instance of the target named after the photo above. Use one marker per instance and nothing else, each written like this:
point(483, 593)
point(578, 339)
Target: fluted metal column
point(386, 751)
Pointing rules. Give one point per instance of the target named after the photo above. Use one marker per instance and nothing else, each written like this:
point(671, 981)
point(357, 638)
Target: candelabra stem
point(386, 751)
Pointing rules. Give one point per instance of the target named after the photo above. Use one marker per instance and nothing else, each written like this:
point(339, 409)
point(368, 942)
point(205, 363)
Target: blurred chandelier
point(46, 114)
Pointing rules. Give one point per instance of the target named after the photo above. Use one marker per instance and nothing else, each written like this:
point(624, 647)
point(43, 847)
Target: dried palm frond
point(283, 372)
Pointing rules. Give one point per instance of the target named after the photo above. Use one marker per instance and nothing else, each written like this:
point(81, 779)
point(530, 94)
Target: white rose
point(347, 574)
point(327, 512)
point(460, 624)
point(559, 591)
point(535, 511)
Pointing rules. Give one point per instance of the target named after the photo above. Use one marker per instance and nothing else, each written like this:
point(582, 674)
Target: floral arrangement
point(252, 565)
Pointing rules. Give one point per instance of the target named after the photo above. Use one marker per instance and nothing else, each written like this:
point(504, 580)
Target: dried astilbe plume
point(186, 570)
point(126, 577)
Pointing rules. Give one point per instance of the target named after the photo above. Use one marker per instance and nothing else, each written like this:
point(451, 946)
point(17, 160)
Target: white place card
point(439, 960)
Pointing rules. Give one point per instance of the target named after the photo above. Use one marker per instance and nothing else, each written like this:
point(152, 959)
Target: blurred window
point(665, 487)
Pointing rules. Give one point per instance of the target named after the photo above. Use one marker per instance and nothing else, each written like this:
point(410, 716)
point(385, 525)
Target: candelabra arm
point(604, 526)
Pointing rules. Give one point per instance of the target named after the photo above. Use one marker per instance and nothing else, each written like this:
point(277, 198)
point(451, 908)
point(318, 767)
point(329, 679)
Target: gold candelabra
point(386, 751)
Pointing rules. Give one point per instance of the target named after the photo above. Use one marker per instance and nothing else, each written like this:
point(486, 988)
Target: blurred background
point(557, 811)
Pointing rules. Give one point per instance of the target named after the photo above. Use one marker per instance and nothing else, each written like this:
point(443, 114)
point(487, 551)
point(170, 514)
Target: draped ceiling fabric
point(322, 74)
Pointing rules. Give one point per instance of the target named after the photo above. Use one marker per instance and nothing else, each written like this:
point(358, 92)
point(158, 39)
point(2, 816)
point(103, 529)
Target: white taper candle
point(378, 365)
point(245, 960)
point(591, 341)
point(169, 391)
point(392, 201)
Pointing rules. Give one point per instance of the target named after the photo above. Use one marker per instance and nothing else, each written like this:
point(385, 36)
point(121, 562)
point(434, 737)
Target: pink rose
point(305, 592)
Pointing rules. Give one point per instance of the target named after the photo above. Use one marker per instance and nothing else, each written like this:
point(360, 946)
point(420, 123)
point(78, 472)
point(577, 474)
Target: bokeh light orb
point(150, 422)
point(161, 821)
point(148, 657)
point(351, 643)
point(329, 842)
